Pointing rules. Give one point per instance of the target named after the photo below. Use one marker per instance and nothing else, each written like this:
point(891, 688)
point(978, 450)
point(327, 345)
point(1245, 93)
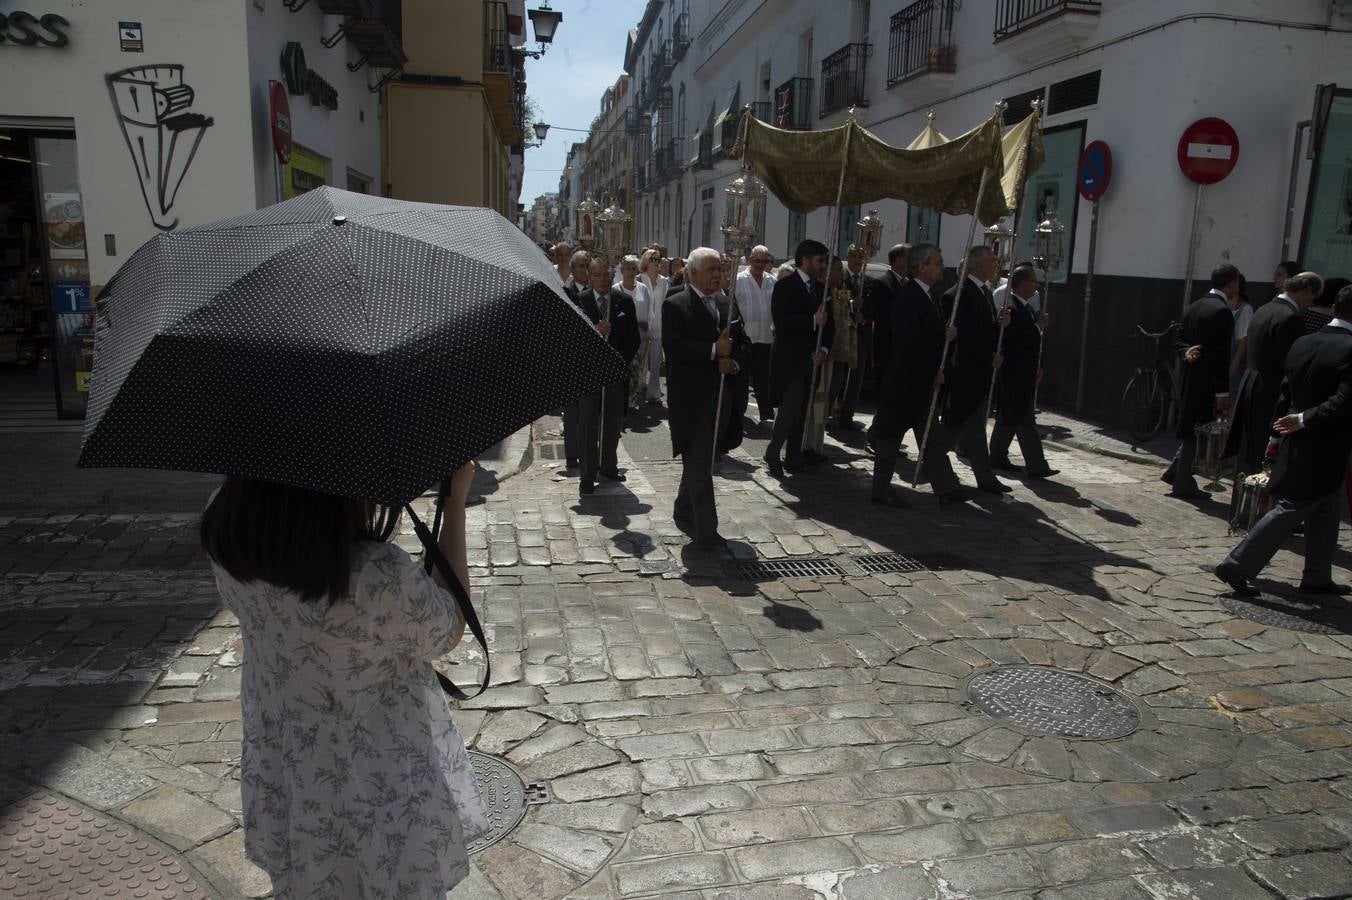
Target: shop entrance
point(46, 308)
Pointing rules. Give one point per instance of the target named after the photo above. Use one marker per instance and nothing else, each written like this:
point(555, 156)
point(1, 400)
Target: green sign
point(302, 81)
point(1326, 243)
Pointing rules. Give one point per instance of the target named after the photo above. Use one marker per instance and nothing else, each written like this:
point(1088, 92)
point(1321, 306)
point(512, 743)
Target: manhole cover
point(1311, 618)
point(1054, 703)
point(505, 793)
point(766, 569)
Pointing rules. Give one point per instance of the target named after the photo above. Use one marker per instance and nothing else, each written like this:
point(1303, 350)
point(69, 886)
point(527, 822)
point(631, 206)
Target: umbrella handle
point(434, 558)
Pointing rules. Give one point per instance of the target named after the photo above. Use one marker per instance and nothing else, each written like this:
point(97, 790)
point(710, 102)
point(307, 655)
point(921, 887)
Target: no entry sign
point(1096, 170)
point(1208, 150)
point(279, 110)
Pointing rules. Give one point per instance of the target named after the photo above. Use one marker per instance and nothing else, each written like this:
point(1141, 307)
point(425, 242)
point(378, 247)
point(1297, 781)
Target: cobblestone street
point(709, 728)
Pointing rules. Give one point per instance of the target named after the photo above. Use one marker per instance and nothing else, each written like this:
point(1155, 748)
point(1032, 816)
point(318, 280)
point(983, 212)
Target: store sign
point(72, 297)
point(26, 29)
point(302, 81)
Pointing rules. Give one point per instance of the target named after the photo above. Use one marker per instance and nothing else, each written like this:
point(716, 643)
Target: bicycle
point(1149, 401)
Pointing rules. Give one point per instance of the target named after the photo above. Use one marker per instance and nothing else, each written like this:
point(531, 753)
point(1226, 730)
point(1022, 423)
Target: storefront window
point(66, 270)
point(1328, 226)
point(305, 171)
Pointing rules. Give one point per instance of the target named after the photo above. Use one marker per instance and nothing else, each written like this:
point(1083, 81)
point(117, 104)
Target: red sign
point(1096, 170)
point(279, 112)
point(1208, 150)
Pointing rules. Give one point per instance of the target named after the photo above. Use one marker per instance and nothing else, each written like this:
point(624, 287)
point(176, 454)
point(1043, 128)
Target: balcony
point(763, 111)
point(500, 71)
point(668, 160)
point(1034, 30)
point(793, 104)
point(631, 120)
point(680, 37)
point(704, 149)
point(663, 62)
point(921, 58)
point(844, 75)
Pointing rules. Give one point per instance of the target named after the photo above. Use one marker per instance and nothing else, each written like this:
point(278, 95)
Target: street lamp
point(999, 238)
point(541, 130)
point(545, 21)
point(870, 232)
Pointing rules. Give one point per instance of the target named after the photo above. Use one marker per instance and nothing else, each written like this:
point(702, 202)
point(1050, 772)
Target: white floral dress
point(355, 782)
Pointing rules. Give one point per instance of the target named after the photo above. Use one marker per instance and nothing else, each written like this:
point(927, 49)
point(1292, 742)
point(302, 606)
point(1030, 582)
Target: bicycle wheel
point(1143, 406)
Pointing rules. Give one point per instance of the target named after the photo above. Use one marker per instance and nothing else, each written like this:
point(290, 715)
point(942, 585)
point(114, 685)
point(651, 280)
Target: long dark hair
point(292, 537)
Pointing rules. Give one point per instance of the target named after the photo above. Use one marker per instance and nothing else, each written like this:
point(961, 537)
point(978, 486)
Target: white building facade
point(1133, 73)
point(122, 121)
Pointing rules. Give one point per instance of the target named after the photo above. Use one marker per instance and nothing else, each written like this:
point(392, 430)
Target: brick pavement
point(709, 736)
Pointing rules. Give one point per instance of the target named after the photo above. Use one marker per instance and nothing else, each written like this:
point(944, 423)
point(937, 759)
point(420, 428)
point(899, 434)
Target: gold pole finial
point(929, 117)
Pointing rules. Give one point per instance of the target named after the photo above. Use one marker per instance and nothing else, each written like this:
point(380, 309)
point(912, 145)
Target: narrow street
point(699, 726)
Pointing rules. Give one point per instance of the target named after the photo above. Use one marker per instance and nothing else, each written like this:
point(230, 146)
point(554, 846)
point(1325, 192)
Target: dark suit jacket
point(917, 342)
point(1210, 323)
point(1311, 463)
point(792, 309)
point(880, 294)
point(967, 377)
point(688, 336)
point(585, 300)
point(1017, 380)
point(1274, 329)
point(624, 333)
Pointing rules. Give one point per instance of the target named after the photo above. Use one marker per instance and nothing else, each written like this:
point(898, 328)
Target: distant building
point(542, 219)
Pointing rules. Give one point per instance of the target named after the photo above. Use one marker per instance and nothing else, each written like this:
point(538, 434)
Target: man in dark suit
point(697, 354)
point(857, 283)
point(617, 308)
point(970, 363)
point(1274, 329)
point(1204, 345)
point(1307, 478)
point(582, 417)
point(1018, 379)
point(879, 296)
point(803, 334)
point(904, 389)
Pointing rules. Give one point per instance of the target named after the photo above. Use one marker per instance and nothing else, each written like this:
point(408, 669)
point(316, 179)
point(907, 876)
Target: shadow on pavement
point(791, 618)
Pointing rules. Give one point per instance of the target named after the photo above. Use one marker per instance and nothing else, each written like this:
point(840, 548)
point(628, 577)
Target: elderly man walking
point(755, 286)
point(700, 359)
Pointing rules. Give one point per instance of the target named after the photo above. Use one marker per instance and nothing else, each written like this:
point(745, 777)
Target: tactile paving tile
point(52, 848)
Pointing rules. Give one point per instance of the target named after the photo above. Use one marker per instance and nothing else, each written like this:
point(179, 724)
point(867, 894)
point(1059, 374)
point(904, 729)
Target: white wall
point(207, 37)
point(350, 135)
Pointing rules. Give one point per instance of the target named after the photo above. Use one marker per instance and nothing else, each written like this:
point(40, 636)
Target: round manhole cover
point(1279, 612)
point(1053, 702)
point(504, 793)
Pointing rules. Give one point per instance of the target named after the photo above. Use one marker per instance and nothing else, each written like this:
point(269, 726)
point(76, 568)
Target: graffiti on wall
point(162, 134)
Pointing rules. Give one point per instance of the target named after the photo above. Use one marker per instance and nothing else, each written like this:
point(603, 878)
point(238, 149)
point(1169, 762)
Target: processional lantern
point(614, 223)
point(999, 238)
point(870, 234)
point(743, 211)
point(1049, 243)
point(586, 222)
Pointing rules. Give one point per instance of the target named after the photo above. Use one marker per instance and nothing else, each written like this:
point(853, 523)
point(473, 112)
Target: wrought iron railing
point(1013, 16)
point(921, 40)
point(663, 61)
point(497, 47)
point(763, 110)
point(680, 36)
point(844, 78)
point(793, 104)
point(704, 151)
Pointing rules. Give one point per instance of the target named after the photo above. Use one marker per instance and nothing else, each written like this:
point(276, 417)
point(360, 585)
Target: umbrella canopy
point(350, 344)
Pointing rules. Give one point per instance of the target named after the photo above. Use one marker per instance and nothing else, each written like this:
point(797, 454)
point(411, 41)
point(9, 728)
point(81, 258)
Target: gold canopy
point(802, 168)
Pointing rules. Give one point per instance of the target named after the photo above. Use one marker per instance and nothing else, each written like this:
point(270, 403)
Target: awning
point(730, 112)
point(802, 168)
point(699, 134)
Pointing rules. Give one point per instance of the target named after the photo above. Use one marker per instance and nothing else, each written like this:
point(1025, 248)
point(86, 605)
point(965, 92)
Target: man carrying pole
point(803, 334)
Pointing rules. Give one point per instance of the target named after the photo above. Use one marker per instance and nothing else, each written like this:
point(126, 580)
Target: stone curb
point(508, 457)
point(1067, 445)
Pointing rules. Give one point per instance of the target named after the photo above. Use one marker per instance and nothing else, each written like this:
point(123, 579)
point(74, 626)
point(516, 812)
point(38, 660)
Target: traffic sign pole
point(1088, 297)
point(1192, 246)
point(1096, 172)
point(1207, 153)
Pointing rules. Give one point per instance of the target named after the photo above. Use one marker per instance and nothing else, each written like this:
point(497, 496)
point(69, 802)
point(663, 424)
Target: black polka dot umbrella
point(350, 344)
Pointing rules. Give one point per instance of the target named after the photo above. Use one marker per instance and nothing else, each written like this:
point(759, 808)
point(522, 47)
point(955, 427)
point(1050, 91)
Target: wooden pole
point(952, 317)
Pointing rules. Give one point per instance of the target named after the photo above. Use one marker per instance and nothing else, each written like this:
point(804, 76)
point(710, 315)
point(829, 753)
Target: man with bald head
point(755, 285)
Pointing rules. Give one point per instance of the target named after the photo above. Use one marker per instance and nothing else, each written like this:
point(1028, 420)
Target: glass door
point(66, 269)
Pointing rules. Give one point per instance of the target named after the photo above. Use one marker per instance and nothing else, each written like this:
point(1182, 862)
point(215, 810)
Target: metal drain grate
point(1054, 702)
point(875, 563)
point(1277, 612)
point(506, 794)
point(767, 569)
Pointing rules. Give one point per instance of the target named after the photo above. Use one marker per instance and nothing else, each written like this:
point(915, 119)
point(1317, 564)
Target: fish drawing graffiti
point(162, 135)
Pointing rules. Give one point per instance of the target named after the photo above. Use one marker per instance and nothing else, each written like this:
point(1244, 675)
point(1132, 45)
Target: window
point(1073, 93)
point(1020, 106)
point(707, 226)
point(849, 215)
point(797, 231)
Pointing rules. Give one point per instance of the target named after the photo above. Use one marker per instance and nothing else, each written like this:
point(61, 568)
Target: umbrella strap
point(433, 557)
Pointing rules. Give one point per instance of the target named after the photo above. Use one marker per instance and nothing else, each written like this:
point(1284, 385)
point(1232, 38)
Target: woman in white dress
point(656, 285)
point(355, 782)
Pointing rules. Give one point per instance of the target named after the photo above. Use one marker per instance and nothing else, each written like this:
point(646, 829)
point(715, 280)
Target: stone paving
point(708, 736)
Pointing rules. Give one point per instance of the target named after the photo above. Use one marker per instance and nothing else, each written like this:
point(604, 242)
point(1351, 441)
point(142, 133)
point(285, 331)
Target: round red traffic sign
point(279, 112)
point(1096, 170)
point(1208, 150)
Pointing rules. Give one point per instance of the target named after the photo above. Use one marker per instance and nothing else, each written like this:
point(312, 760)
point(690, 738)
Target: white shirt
point(657, 296)
point(643, 303)
point(1341, 323)
point(753, 302)
point(1292, 303)
point(710, 302)
point(1243, 316)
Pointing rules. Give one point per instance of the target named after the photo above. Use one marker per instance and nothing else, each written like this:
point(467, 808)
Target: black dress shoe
point(1045, 473)
point(713, 541)
point(775, 467)
point(1004, 465)
point(587, 486)
point(891, 500)
point(996, 488)
point(795, 466)
point(957, 495)
point(612, 475)
point(1238, 584)
point(1331, 589)
point(1188, 493)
